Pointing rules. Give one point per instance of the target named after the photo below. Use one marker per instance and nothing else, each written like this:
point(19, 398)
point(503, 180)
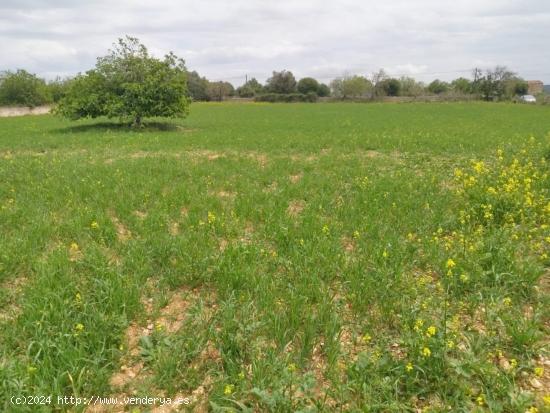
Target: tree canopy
point(281, 82)
point(23, 88)
point(129, 84)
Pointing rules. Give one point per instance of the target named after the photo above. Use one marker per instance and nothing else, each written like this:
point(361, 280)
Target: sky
point(228, 40)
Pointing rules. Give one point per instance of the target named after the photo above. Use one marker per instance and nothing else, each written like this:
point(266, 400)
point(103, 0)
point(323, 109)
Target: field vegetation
point(280, 258)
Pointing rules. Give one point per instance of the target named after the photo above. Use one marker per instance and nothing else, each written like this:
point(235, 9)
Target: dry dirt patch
point(295, 178)
point(123, 233)
point(295, 207)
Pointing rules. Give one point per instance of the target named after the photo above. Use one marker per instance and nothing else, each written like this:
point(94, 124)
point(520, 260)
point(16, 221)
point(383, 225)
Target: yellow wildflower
point(74, 246)
point(450, 263)
point(426, 352)
point(409, 367)
point(430, 332)
point(325, 229)
point(228, 389)
point(211, 218)
point(94, 225)
point(480, 400)
point(507, 301)
point(366, 338)
point(385, 254)
point(539, 371)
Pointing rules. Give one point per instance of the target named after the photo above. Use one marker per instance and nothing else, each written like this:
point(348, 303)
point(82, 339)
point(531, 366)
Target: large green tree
point(129, 84)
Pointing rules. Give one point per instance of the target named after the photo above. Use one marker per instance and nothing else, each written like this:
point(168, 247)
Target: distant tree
point(437, 87)
point(307, 85)
point(378, 79)
point(461, 85)
point(411, 87)
point(323, 90)
point(351, 87)
point(281, 82)
point(250, 89)
point(379, 76)
point(493, 84)
point(128, 83)
point(521, 87)
point(197, 86)
point(389, 87)
point(220, 90)
point(23, 88)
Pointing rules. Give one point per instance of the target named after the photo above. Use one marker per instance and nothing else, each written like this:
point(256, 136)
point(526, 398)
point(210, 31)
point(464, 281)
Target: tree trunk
point(137, 121)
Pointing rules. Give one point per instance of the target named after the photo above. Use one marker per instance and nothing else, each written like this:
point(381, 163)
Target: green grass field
point(279, 258)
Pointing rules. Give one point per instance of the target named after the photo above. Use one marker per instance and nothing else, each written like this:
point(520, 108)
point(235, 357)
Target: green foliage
point(280, 258)
point(410, 87)
point(23, 88)
point(389, 87)
point(57, 88)
point(281, 82)
point(219, 90)
point(438, 87)
point(493, 85)
point(307, 85)
point(129, 84)
point(197, 87)
point(518, 87)
point(323, 90)
point(351, 87)
point(461, 85)
point(286, 97)
point(250, 89)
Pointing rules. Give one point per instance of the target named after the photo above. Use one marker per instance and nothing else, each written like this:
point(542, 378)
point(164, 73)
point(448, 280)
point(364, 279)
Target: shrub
point(23, 88)
point(286, 97)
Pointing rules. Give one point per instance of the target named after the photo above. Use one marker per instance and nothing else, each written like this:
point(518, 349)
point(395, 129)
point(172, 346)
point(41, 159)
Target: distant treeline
point(26, 89)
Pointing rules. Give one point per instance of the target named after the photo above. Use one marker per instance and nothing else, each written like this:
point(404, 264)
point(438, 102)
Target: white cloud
point(226, 40)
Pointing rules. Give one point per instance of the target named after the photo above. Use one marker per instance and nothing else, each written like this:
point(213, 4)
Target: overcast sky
point(228, 39)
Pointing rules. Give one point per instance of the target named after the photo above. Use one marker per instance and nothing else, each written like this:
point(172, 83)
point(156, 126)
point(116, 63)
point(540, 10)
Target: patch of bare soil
point(295, 207)
point(123, 233)
point(222, 244)
point(15, 287)
point(246, 238)
point(295, 178)
point(272, 187)
point(174, 228)
point(132, 372)
point(112, 257)
point(348, 244)
point(173, 314)
point(140, 214)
